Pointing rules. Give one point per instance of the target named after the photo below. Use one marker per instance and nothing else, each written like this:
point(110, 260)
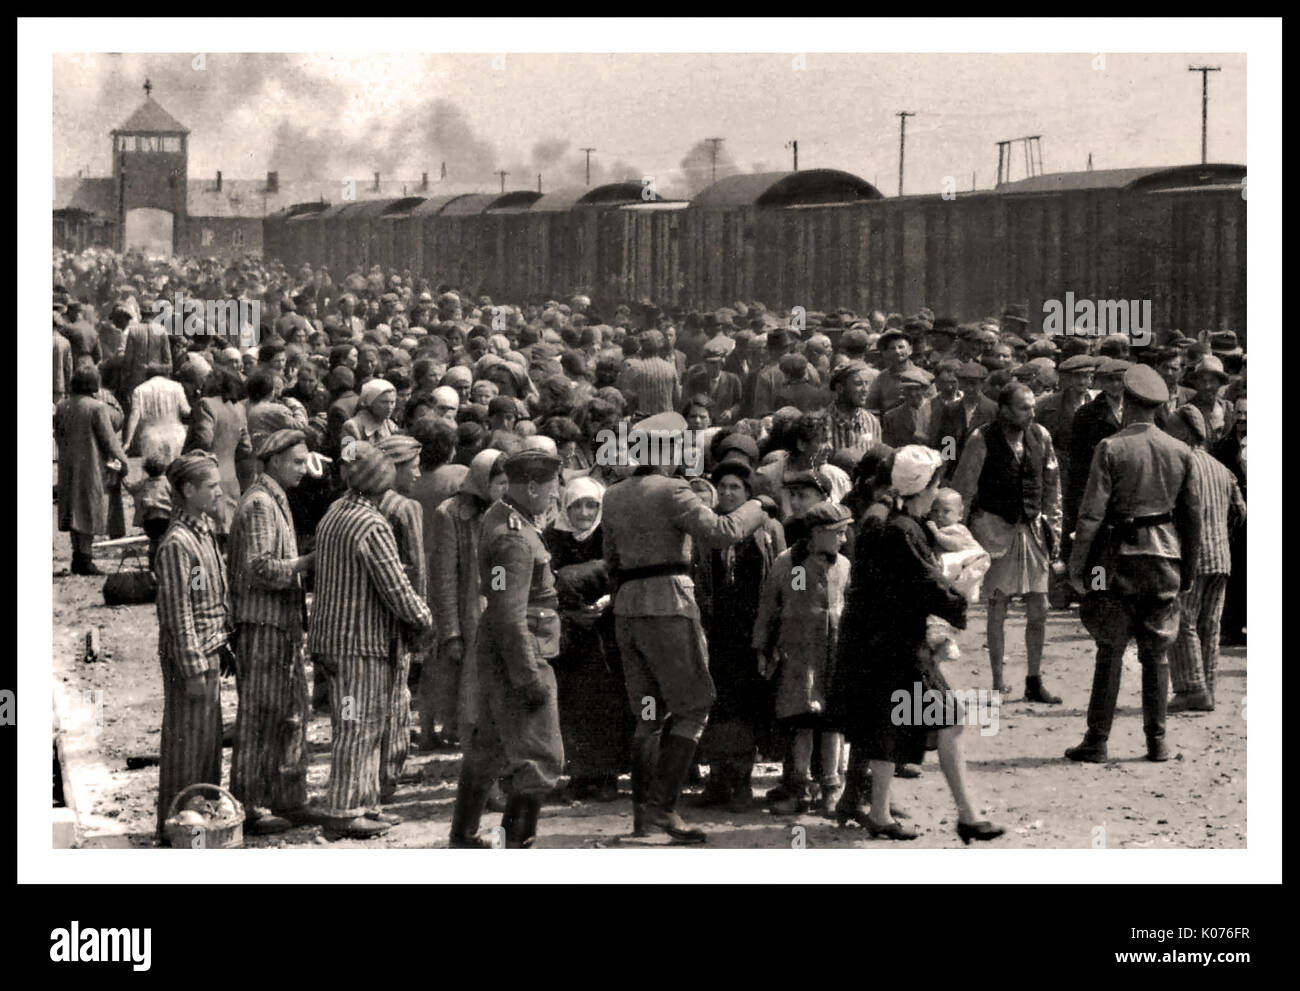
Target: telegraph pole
point(795, 146)
point(1205, 71)
point(503, 175)
point(588, 151)
point(902, 116)
point(539, 183)
point(715, 142)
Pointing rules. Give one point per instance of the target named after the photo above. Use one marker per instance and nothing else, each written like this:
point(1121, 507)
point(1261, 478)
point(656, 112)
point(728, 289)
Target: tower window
point(171, 144)
point(148, 143)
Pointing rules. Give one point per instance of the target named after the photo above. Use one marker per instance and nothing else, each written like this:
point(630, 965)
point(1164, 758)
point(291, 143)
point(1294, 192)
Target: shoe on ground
point(379, 815)
point(907, 770)
point(265, 824)
point(1088, 753)
point(307, 815)
point(1157, 750)
point(360, 828)
point(673, 824)
point(1035, 692)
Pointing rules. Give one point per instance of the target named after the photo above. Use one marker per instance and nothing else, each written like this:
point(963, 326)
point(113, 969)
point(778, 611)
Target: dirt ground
point(1020, 779)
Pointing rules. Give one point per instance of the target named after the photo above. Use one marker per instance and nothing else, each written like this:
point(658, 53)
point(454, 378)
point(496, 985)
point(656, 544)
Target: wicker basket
point(219, 834)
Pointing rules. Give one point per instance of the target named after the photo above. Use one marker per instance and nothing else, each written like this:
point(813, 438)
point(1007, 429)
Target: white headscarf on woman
point(581, 487)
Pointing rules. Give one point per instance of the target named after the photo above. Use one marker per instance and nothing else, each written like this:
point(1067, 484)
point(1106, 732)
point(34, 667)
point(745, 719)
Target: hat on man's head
point(734, 467)
point(854, 342)
point(1211, 365)
point(665, 423)
point(914, 377)
point(1144, 386)
point(366, 468)
point(1114, 346)
point(972, 371)
point(1113, 366)
point(532, 464)
point(503, 406)
point(717, 348)
point(738, 441)
point(1078, 363)
point(190, 466)
point(891, 335)
point(1043, 347)
point(778, 338)
point(1224, 342)
point(1012, 341)
point(1016, 313)
point(806, 479)
point(1192, 421)
point(830, 515)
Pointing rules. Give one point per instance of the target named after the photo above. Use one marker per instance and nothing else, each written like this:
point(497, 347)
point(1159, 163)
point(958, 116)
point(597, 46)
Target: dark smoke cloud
point(697, 167)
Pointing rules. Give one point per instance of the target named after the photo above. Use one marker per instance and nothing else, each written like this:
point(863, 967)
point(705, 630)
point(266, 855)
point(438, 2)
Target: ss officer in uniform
point(517, 735)
point(649, 522)
point(1138, 534)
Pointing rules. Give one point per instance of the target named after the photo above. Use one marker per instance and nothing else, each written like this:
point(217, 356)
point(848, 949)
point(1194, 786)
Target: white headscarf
point(914, 467)
point(581, 487)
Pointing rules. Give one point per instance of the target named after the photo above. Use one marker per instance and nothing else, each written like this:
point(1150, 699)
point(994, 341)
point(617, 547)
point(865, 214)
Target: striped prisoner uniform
point(406, 517)
point(362, 594)
point(269, 762)
point(855, 430)
point(1194, 655)
point(192, 616)
point(651, 385)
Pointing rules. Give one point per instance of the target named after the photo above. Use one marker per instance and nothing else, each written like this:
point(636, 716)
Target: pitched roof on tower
point(151, 118)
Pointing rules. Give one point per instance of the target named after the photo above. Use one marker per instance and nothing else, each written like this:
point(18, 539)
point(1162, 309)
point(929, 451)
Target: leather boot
point(741, 798)
point(1101, 705)
point(1035, 692)
point(676, 755)
point(521, 814)
point(645, 751)
point(471, 801)
point(1155, 697)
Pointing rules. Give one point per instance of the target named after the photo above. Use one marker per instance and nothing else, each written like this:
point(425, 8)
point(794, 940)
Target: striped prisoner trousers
point(396, 742)
point(1194, 655)
point(190, 749)
point(269, 764)
point(360, 689)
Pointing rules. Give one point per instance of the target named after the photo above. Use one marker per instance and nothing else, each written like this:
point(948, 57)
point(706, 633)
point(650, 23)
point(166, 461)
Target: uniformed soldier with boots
point(517, 735)
point(649, 522)
point(1135, 545)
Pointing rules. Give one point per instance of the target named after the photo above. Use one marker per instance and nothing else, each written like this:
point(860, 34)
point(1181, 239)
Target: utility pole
point(715, 142)
point(1205, 71)
point(503, 175)
point(539, 184)
point(902, 116)
point(1089, 161)
point(588, 151)
point(795, 146)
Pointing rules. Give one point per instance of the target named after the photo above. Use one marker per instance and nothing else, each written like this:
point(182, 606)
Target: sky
point(320, 116)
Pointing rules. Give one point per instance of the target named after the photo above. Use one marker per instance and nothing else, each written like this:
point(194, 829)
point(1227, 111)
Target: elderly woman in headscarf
point(594, 719)
point(883, 661)
point(728, 583)
point(454, 595)
point(373, 418)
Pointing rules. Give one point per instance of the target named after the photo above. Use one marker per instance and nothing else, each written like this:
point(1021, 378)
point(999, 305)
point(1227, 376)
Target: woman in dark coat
point(90, 455)
point(896, 584)
point(728, 586)
point(219, 425)
point(594, 720)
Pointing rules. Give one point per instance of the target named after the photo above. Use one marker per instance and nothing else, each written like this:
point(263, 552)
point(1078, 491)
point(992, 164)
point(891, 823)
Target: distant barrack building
point(151, 202)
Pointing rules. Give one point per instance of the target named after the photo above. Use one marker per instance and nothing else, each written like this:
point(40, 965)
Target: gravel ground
point(1197, 800)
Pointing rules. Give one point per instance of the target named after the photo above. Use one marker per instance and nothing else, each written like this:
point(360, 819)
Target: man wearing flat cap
point(517, 734)
point(650, 522)
point(709, 378)
point(770, 378)
point(907, 422)
point(1136, 546)
point(886, 389)
point(193, 631)
point(268, 767)
point(958, 419)
point(853, 427)
point(363, 599)
point(1056, 411)
point(406, 517)
point(1171, 365)
point(1209, 378)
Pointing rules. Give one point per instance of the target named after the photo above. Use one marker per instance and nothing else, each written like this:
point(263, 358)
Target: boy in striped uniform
point(362, 598)
point(406, 517)
point(192, 632)
point(268, 771)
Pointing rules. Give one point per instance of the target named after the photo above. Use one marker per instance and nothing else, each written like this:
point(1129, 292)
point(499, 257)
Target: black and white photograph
point(656, 444)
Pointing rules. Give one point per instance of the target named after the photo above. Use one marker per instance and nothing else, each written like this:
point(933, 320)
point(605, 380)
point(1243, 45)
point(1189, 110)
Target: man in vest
point(1009, 479)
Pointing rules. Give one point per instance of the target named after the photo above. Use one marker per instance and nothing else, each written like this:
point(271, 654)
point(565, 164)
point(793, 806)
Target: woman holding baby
point(896, 586)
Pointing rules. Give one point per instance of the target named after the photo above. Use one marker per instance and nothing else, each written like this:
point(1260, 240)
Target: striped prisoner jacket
point(362, 592)
point(193, 604)
point(265, 590)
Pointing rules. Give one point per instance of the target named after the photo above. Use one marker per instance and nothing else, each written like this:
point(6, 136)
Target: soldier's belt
point(1126, 527)
point(653, 571)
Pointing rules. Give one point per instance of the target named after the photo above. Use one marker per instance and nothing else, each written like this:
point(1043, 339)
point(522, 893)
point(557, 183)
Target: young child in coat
point(152, 496)
point(795, 637)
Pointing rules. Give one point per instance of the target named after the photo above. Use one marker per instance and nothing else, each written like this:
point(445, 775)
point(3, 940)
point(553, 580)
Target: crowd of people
point(395, 499)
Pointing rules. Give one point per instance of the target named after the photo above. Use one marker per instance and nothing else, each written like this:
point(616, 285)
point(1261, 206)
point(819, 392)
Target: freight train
point(820, 239)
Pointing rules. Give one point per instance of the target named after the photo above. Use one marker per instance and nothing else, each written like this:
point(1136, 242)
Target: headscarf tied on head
point(914, 468)
point(190, 466)
point(575, 489)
